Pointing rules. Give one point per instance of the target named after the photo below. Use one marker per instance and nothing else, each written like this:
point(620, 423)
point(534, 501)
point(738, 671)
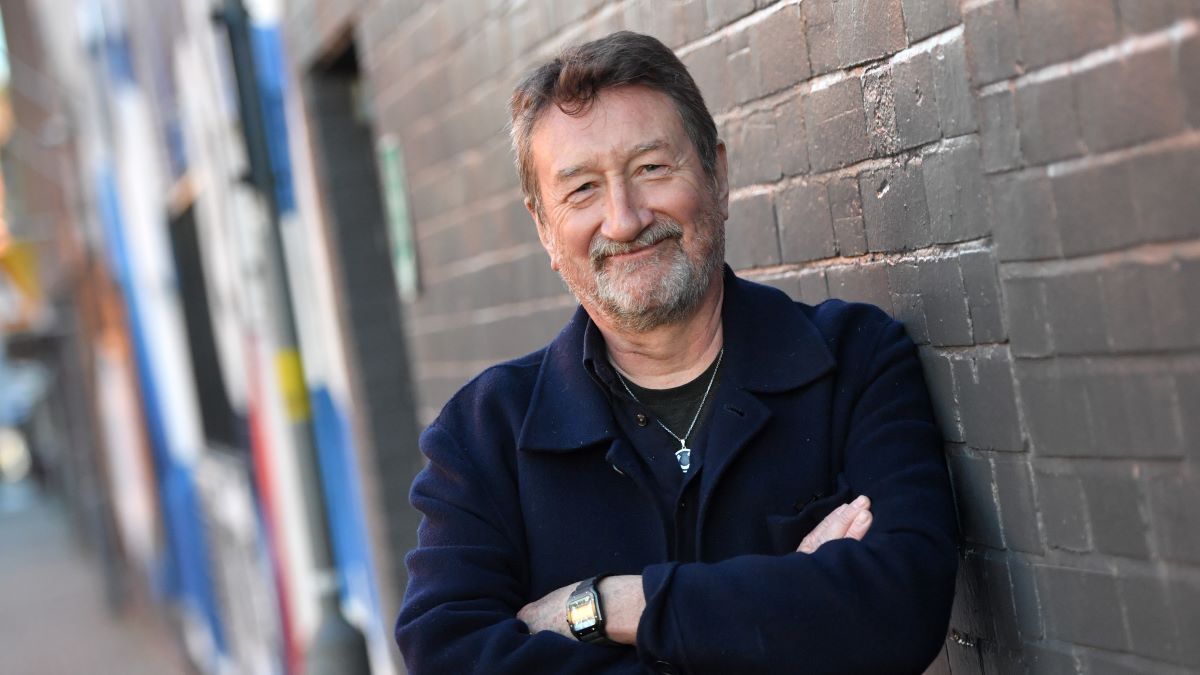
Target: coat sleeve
point(467, 582)
point(877, 606)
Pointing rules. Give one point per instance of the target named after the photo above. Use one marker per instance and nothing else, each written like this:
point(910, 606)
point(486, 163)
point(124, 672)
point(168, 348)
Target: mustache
point(659, 230)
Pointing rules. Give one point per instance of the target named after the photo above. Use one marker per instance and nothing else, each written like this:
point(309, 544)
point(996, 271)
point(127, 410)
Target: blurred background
point(248, 248)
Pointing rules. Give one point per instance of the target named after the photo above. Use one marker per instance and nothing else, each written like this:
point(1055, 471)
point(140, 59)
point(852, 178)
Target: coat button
point(665, 668)
point(642, 420)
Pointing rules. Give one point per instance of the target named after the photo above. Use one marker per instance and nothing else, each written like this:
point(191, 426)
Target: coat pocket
point(787, 531)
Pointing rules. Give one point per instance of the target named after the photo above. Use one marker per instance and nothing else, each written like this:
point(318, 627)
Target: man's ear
point(722, 180)
point(543, 233)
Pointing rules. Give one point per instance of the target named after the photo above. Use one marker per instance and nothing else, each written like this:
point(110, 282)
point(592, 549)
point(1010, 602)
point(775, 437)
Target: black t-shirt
point(672, 490)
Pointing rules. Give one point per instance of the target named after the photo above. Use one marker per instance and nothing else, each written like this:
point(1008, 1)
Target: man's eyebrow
point(648, 146)
point(568, 172)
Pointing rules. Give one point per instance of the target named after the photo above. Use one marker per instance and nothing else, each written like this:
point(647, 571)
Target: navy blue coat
point(816, 405)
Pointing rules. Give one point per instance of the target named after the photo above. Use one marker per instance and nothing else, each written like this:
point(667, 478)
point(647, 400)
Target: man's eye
point(583, 188)
point(653, 168)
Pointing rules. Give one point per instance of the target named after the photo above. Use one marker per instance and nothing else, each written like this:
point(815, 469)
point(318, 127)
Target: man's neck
point(670, 355)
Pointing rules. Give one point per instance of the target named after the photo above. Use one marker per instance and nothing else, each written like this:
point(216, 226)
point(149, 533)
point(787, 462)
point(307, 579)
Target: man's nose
point(627, 215)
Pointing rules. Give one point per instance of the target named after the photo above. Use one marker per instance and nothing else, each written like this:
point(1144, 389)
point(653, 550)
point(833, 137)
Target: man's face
point(629, 217)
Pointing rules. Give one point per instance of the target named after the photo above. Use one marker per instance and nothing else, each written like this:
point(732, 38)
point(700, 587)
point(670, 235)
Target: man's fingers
point(859, 526)
point(843, 522)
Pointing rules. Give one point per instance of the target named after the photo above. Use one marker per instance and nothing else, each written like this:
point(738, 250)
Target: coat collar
point(771, 346)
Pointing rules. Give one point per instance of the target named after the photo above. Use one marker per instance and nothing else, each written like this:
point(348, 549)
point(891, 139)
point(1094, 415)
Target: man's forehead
point(623, 120)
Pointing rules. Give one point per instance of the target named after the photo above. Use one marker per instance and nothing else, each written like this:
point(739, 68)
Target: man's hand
point(549, 612)
point(848, 521)
point(621, 597)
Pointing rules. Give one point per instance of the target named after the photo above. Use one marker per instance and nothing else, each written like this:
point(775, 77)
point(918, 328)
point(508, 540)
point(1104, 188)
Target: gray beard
point(677, 292)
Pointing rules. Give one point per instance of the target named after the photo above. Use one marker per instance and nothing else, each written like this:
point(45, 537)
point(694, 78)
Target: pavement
point(53, 616)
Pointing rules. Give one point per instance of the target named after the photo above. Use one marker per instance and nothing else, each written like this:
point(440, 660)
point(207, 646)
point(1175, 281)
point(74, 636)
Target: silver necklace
point(684, 454)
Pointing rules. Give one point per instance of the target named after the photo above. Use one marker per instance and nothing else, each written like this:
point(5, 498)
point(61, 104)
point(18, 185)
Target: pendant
point(684, 456)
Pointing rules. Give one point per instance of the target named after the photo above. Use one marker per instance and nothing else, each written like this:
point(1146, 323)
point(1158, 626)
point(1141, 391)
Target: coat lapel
point(771, 346)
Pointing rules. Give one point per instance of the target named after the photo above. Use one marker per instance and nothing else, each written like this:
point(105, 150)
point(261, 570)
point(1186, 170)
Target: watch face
point(581, 612)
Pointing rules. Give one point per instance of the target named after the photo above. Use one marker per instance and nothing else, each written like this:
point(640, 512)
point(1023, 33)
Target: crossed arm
point(623, 599)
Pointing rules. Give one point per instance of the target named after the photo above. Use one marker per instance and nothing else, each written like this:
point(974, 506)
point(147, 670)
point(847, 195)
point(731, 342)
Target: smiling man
point(698, 475)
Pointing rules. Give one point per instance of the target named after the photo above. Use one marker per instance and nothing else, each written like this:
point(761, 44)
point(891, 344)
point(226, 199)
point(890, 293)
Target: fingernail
point(862, 518)
point(860, 502)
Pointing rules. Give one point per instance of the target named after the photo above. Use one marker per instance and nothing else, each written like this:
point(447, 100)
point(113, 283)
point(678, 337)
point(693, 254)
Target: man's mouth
point(652, 238)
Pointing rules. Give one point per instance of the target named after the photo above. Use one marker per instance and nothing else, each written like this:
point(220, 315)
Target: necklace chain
point(682, 441)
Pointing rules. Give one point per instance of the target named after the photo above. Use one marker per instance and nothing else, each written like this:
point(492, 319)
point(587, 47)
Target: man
point(697, 475)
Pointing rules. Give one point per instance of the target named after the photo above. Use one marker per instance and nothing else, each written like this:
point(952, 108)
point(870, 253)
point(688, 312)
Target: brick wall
point(1019, 182)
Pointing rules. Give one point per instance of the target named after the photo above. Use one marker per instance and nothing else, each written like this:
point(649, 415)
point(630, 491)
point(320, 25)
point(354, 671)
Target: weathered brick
point(1025, 598)
point(1082, 607)
point(923, 18)
point(1114, 506)
point(944, 297)
point(1152, 414)
point(793, 141)
point(1000, 141)
point(866, 282)
point(905, 283)
point(939, 377)
point(978, 513)
point(1095, 209)
point(983, 297)
point(805, 227)
point(837, 132)
point(955, 102)
point(721, 12)
point(1130, 100)
point(1163, 186)
point(956, 192)
point(751, 238)
point(970, 596)
point(894, 208)
point(1107, 663)
point(1184, 592)
point(1187, 388)
point(1056, 30)
point(987, 402)
point(1126, 307)
point(1138, 16)
point(868, 29)
point(1175, 324)
point(1064, 510)
point(845, 205)
point(1071, 302)
point(1189, 64)
point(1025, 226)
point(1153, 632)
point(707, 66)
point(992, 36)
point(755, 147)
point(743, 66)
point(1054, 407)
point(813, 287)
point(821, 34)
point(1018, 507)
point(778, 46)
point(915, 101)
point(1000, 605)
point(879, 109)
point(1174, 500)
point(1046, 658)
point(1049, 123)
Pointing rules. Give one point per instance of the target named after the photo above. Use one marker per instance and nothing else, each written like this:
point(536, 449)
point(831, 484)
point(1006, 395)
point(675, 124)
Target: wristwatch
point(585, 615)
